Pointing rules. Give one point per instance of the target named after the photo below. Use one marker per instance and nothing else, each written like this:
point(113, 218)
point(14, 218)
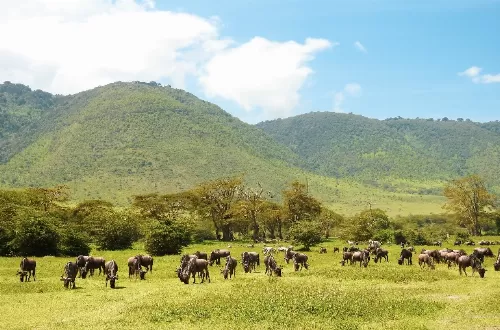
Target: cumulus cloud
point(262, 74)
point(66, 46)
point(351, 90)
point(360, 47)
point(474, 73)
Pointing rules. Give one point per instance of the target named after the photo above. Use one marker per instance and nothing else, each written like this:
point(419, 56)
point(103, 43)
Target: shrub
point(117, 233)
point(167, 238)
point(307, 233)
point(36, 236)
point(74, 243)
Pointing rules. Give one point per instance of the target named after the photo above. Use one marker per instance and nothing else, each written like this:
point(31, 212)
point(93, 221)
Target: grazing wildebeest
point(27, 267)
point(94, 263)
point(373, 245)
point(145, 261)
point(69, 274)
point(272, 266)
point(434, 254)
point(471, 261)
point(425, 259)
point(267, 250)
point(283, 249)
point(289, 253)
point(111, 273)
point(230, 268)
point(217, 254)
point(134, 266)
point(437, 243)
point(352, 242)
point(362, 256)
point(483, 252)
point(381, 253)
point(402, 245)
point(350, 249)
point(469, 243)
point(496, 265)
point(249, 260)
point(201, 255)
point(191, 266)
point(80, 262)
point(458, 242)
point(322, 250)
point(300, 260)
point(405, 254)
point(484, 243)
point(336, 249)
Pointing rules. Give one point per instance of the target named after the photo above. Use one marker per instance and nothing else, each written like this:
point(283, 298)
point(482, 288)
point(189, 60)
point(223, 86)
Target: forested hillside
point(374, 151)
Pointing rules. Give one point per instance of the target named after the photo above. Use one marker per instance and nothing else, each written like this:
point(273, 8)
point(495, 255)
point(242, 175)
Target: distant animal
point(111, 273)
point(27, 267)
point(405, 254)
point(146, 261)
point(434, 254)
point(362, 256)
point(134, 266)
point(470, 261)
point(347, 256)
point(483, 252)
point(437, 243)
point(201, 255)
point(381, 253)
point(192, 266)
point(496, 265)
point(94, 263)
point(69, 274)
point(249, 260)
point(230, 268)
point(373, 245)
point(289, 253)
point(411, 249)
point(217, 254)
point(267, 250)
point(352, 242)
point(402, 245)
point(484, 243)
point(300, 260)
point(80, 262)
point(457, 242)
point(425, 259)
point(322, 250)
point(283, 249)
point(272, 266)
point(470, 243)
point(350, 249)
point(336, 249)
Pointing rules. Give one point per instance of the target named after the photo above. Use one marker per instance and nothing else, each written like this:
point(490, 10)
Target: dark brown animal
point(111, 273)
point(69, 274)
point(471, 261)
point(322, 250)
point(347, 256)
point(134, 266)
point(434, 254)
point(190, 267)
point(405, 254)
point(27, 267)
point(336, 249)
point(425, 259)
point(496, 265)
point(80, 263)
point(381, 253)
point(217, 254)
point(94, 263)
point(483, 252)
point(289, 253)
point(146, 261)
point(272, 266)
point(362, 256)
point(249, 260)
point(230, 268)
point(201, 255)
point(300, 260)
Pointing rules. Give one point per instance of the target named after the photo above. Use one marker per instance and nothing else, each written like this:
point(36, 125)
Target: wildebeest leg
point(207, 274)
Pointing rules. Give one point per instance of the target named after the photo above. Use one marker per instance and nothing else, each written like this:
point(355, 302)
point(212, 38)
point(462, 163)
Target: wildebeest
point(111, 273)
point(300, 260)
point(69, 274)
point(322, 250)
point(437, 243)
point(289, 253)
point(145, 261)
point(336, 249)
point(405, 254)
point(230, 268)
point(27, 267)
point(192, 266)
point(80, 263)
point(272, 266)
point(484, 243)
point(267, 250)
point(362, 256)
point(217, 254)
point(351, 242)
point(471, 261)
point(425, 259)
point(433, 253)
point(458, 242)
point(381, 253)
point(249, 260)
point(470, 243)
point(201, 255)
point(373, 245)
point(350, 249)
point(134, 266)
point(496, 265)
point(347, 256)
point(94, 263)
point(483, 252)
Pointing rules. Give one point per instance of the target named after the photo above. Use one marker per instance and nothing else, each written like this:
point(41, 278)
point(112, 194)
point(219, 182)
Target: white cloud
point(474, 73)
point(360, 47)
point(352, 90)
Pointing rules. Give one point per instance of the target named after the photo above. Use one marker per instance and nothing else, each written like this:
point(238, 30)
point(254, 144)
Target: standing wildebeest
point(201, 255)
point(470, 261)
point(322, 250)
point(373, 245)
point(405, 254)
point(381, 253)
point(289, 253)
point(483, 252)
point(134, 266)
point(69, 274)
point(272, 266)
point(347, 256)
point(433, 253)
point(300, 260)
point(267, 250)
point(336, 249)
point(95, 263)
point(425, 259)
point(217, 254)
point(27, 267)
point(80, 263)
point(249, 260)
point(362, 256)
point(230, 268)
point(458, 242)
point(145, 261)
point(111, 270)
point(496, 265)
point(191, 266)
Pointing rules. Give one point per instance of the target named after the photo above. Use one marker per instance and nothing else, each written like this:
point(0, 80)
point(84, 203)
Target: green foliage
point(167, 238)
point(118, 232)
point(36, 236)
point(74, 243)
point(308, 233)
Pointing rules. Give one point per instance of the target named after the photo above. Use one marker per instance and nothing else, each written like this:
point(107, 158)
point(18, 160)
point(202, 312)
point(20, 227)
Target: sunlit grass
point(327, 296)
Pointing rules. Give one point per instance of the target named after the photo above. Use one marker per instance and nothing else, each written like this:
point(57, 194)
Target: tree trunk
point(280, 234)
point(255, 231)
point(226, 233)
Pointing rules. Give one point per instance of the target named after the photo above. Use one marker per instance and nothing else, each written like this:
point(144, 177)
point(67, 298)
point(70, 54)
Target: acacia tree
point(468, 198)
point(272, 218)
point(251, 205)
point(298, 204)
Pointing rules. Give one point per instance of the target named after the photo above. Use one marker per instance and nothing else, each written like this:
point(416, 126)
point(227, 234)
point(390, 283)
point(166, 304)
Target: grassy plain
point(327, 296)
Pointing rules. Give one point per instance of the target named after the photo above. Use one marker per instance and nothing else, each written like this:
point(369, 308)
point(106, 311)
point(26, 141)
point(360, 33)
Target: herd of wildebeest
point(197, 264)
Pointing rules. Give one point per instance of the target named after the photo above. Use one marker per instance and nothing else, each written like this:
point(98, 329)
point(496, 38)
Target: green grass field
point(327, 296)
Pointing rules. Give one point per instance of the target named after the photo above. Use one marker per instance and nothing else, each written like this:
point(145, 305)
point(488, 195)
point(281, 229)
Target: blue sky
point(261, 60)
